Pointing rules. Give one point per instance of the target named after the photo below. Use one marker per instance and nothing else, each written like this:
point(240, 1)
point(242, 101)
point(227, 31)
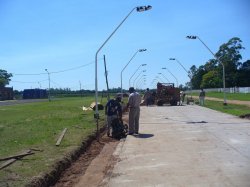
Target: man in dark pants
point(134, 102)
point(113, 110)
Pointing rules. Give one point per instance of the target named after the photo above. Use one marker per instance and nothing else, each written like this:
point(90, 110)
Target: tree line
point(237, 73)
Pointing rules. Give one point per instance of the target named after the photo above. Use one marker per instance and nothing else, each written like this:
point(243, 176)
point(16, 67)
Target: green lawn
point(229, 96)
point(233, 109)
point(38, 125)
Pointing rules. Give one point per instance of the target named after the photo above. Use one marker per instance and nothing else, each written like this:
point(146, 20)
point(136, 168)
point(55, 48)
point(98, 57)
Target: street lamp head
point(171, 58)
point(143, 8)
point(163, 68)
point(144, 64)
point(142, 50)
point(159, 73)
point(191, 37)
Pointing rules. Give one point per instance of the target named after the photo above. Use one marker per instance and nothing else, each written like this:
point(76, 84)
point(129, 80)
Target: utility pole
point(106, 76)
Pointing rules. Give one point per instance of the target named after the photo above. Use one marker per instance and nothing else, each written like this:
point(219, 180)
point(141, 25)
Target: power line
point(29, 82)
point(70, 69)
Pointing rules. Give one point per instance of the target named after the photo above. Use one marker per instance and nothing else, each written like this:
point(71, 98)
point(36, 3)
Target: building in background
point(35, 94)
point(6, 93)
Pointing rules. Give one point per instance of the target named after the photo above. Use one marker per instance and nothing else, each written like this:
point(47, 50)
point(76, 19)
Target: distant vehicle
point(166, 93)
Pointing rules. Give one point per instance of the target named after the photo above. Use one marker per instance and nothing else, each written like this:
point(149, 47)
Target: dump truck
point(166, 93)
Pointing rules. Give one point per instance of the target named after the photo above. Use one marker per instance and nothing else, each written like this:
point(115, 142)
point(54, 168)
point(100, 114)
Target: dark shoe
point(131, 133)
point(136, 133)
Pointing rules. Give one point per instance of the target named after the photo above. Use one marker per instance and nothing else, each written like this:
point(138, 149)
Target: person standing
point(113, 110)
point(147, 97)
point(202, 97)
point(134, 102)
point(182, 97)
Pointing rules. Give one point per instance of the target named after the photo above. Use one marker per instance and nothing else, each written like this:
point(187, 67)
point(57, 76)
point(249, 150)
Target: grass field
point(38, 125)
point(229, 96)
point(232, 109)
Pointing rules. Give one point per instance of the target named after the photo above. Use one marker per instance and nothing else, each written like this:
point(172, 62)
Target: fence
point(228, 90)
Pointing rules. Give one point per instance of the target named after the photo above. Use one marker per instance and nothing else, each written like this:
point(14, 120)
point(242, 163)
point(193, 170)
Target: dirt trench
point(93, 165)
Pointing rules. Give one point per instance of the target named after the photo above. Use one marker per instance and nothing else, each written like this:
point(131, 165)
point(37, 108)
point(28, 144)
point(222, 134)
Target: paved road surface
point(184, 146)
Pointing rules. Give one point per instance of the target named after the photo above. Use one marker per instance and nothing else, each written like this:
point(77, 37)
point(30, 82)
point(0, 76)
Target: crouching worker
point(113, 110)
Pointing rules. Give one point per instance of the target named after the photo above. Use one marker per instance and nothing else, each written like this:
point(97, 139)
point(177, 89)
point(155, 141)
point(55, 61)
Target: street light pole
point(189, 75)
point(140, 83)
point(136, 72)
point(139, 80)
point(138, 76)
point(96, 116)
point(223, 66)
point(159, 79)
point(49, 82)
point(172, 75)
point(164, 77)
point(140, 50)
point(181, 65)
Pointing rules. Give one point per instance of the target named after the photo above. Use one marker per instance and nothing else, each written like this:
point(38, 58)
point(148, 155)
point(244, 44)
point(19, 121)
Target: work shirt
point(113, 107)
point(202, 94)
point(147, 95)
point(134, 100)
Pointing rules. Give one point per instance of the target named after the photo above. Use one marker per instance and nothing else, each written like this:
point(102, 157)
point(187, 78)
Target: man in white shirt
point(134, 102)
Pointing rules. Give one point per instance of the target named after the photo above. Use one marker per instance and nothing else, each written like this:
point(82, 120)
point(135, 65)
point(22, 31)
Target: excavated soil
point(74, 175)
point(93, 165)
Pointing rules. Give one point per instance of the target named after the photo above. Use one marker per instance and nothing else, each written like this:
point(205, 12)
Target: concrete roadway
point(184, 146)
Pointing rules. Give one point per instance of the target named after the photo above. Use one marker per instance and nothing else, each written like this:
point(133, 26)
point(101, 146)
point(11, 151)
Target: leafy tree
point(229, 55)
point(197, 74)
point(211, 80)
point(210, 74)
point(243, 76)
point(4, 78)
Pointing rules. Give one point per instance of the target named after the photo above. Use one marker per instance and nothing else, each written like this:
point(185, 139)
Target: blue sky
point(63, 35)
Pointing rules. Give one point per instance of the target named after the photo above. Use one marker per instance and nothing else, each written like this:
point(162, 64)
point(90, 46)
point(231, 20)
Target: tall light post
point(159, 79)
point(136, 72)
point(140, 79)
point(164, 76)
point(172, 75)
point(49, 82)
point(181, 66)
point(96, 116)
point(189, 75)
point(140, 50)
point(140, 83)
point(143, 71)
point(39, 84)
point(223, 67)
